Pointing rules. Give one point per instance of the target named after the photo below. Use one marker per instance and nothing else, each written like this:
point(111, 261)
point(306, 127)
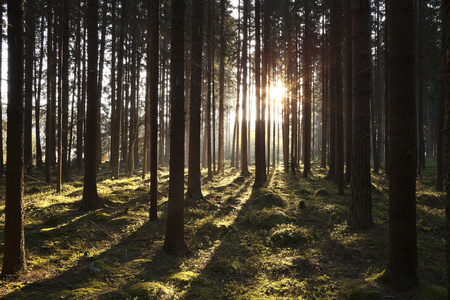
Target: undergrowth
point(287, 240)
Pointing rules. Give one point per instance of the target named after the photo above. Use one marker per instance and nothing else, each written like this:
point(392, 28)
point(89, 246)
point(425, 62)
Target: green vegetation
point(245, 244)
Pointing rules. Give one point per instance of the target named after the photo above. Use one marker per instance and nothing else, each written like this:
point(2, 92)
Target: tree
point(244, 154)
point(29, 62)
point(307, 94)
point(348, 88)
point(153, 93)
point(259, 157)
point(220, 166)
point(14, 260)
point(194, 177)
point(360, 204)
point(91, 200)
point(174, 239)
point(402, 261)
point(2, 165)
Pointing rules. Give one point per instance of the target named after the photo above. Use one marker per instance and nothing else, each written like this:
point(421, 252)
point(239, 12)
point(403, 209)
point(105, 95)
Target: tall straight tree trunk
point(336, 120)
point(323, 161)
point(37, 103)
point(360, 205)
point(209, 58)
point(194, 190)
point(113, 83)
point(100, 82)
point(65, 92)
point(258, 142)
point(402, 254)
point(244, 146)
point(133, 106)
point(307, 95)
point(348, 79)
point(220, 162)
point(174, 239)
point(80, 108)
point(50, 87)
point(29, 62)
point(91, 200)
point(446, 122)
point(153, 93)
point(441, 111)
point(117, 120)
point(14, 260)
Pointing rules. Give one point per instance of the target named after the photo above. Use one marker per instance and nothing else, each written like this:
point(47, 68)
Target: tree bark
point(360, 205)
point(194, 176)
point(174, 239)
point(14, 260)
point(402, 258)
point(91, 200)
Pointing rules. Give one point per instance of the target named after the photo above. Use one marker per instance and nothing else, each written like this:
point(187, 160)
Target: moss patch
point(151, 290)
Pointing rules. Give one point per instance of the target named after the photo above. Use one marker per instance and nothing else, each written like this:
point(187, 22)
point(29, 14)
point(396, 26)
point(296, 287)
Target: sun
point(277, 91)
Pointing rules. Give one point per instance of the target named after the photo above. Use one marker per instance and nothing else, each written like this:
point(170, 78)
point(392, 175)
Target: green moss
point(265, 198)
point(433, 293)
point(321, 192)
point(268, 218)
point(183, 277)
point(365, 295)
point(120, 221)
point(289, 235)
point(151, 290)
point(99, 216)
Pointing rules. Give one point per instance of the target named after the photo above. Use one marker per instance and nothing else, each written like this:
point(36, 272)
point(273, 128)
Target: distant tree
point(14, 260)
point(307, 93)
point(29, 62)
point(153, 93)
point(91, 200)
point(51, 83)
point(194, 176)
point(446, 122)
point(174, 239)
point(220, 164)
point(38, 97)
point(258, 141)
point(64, 97)
point(117, 119)
point(441, 107)
point(244, 141)
point(347, 80)
point(209, 59)
point(360, 204)
point(402, 259)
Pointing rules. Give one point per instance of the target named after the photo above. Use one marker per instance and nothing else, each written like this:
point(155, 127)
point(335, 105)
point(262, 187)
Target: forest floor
point(288, 240)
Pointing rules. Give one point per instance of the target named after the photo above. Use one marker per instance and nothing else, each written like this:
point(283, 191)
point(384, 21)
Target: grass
point(246, 244)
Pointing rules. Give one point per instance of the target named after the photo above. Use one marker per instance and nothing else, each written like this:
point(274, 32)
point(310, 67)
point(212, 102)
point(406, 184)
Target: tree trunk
point(360, 204)
point(348, 88)
point(258, 142)
point(174, 240)
point(64, 127)
point(14, 260)
point(194, 176)
point(153, 93)
point(402, 259)
point(91, 200)
point(244, 146)
point(29, 61)
point(307, 95)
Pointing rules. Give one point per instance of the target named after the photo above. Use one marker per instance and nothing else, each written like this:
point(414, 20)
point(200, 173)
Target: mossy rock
point(183, 277)
point(223, 267)
point(151, 290)
point(321, 192)
point(267, 198)
point(267, 219)
point(97, 267)
point(433, 293)
point(289, 235)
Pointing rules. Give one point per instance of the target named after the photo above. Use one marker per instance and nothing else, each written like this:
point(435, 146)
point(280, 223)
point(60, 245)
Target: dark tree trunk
point(2, 166)
point(220, 158)
point(91, 200)
point(348, 88)
point(209, 58)
point(64, 127)
point(29, 62)
point(14, 260)
point(194, 177)
point(441, 114)
point(402, 261)
point(307, 95)
point(323, 161)
point(244, 145)
point(133, 107)
point(174, 240)
point(100, 82)
point(117, 120)
point(37, 104)
point(50, 87)
point(153, 93)
point(360, 204)
point(258, 171)
point(81, 89)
